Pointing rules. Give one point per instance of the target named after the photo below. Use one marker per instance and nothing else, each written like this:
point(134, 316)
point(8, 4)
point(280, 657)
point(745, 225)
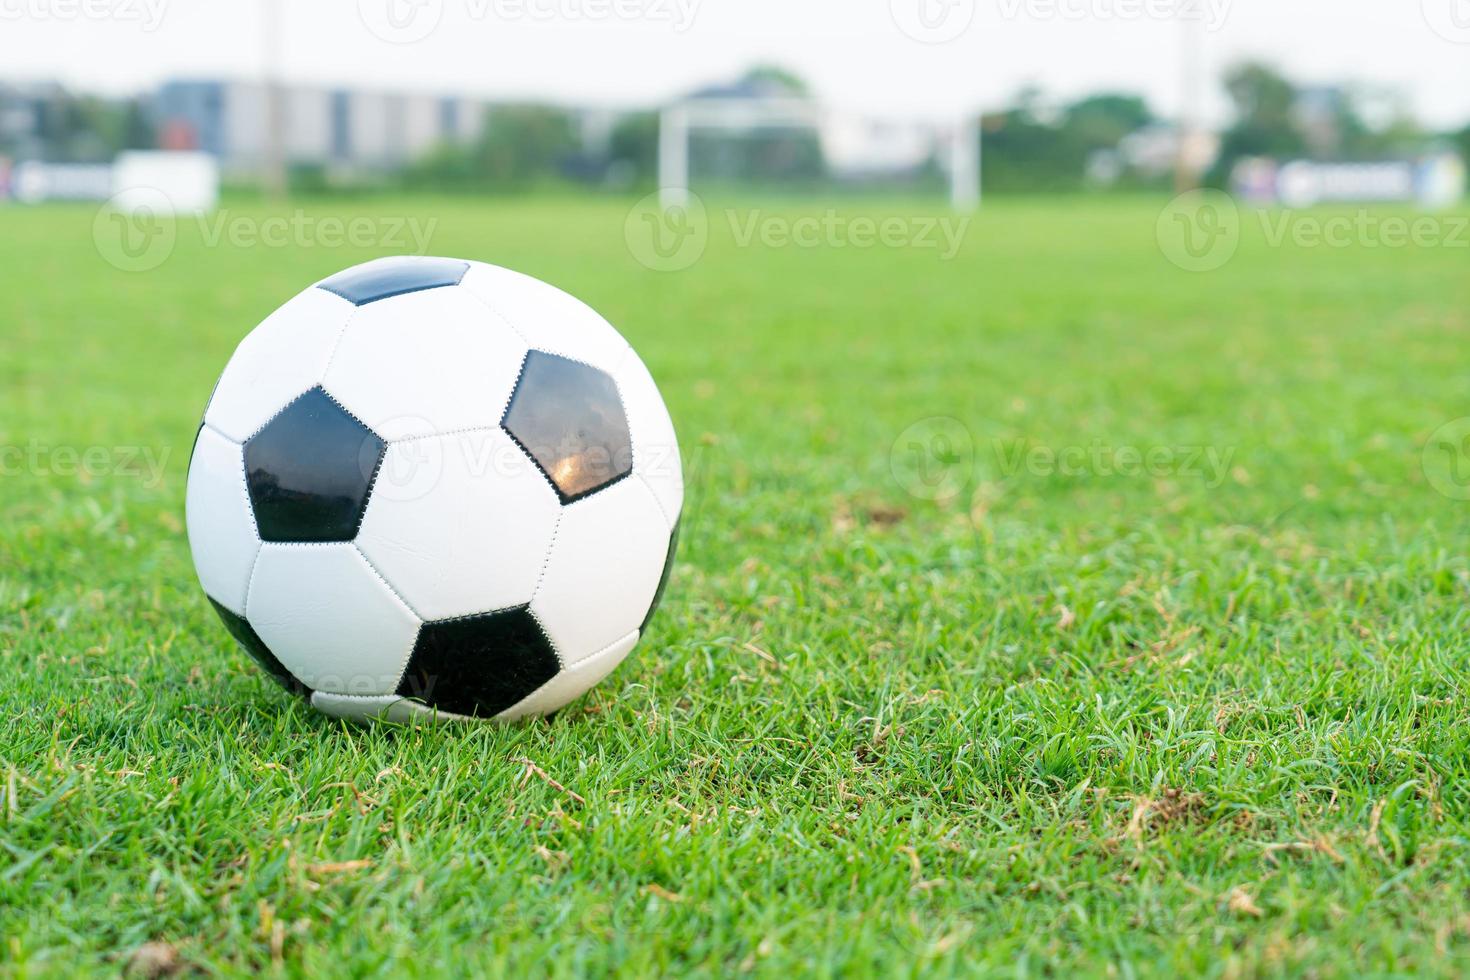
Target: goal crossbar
point(677, 123)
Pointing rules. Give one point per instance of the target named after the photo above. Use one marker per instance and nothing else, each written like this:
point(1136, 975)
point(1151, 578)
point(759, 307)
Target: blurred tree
point(775, 79)
point(520, 146)
point(1101, 121)
point(1276, 118)
point(1264, 124)
point(1034, 147)
point(633, 150)
point(66, 128)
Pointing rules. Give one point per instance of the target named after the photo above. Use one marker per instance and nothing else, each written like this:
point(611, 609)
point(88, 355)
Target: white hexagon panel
point(431, 488)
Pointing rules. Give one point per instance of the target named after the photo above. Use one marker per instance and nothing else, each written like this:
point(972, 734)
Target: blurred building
point(23, 111)
point(339, 129)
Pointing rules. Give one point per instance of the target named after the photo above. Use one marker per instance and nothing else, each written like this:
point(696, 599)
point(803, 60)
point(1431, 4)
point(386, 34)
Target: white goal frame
point(677, 122)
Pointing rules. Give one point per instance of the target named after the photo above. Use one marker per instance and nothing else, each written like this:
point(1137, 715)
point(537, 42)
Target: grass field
point(1206, 714)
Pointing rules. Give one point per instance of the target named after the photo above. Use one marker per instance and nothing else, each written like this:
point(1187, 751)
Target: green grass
point(1062, 722)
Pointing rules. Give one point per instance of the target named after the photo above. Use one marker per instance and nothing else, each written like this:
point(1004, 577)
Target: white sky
point(639, 52)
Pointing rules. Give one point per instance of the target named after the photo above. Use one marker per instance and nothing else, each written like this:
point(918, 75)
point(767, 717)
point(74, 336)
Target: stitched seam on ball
point(537, 346)
point(627, 354)
point(346, 411)
point(668, 523)
point(363, 697)
point(245, 495)
point(580, 663)
point(505, 407)
point(307, 544)
point(367, 498)
point(250, 587)
point(255, 530)
point(536, 464)
point(448, 433)
point(545, 564)
point(282, 410)
point(518, 607)
point(337, 344)
point(407, 657)
point(222, 434)
point(593, 656)
point(627, 420)
point(398, 699)
point(387, 585)
point(496, 312)
point(505, 414)
point(561, 664)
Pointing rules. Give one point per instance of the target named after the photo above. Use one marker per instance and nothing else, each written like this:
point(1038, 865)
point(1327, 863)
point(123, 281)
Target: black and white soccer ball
point(431, 488)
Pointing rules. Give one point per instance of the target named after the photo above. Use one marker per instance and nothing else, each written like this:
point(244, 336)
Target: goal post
point(956, 145)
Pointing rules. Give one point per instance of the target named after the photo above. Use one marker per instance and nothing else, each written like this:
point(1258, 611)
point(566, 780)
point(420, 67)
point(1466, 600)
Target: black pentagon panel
point(479, 665)
point(382, 278)
point(568, 417)
point(309, 471)
point(663, 580)
point(252, 644)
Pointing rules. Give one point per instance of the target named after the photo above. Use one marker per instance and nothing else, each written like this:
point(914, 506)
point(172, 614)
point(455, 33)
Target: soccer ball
point(430, 488)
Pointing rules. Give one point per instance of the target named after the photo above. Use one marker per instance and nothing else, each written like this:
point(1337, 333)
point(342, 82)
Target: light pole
point(274, 177)
point(1192, 51)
